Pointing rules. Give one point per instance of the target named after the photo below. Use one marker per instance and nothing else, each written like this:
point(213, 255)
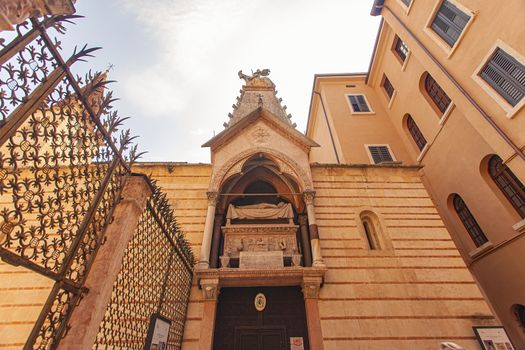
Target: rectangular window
point(400, 48)
point(449, 22)
point(387, 85)
point(506, 75)
point(358, 103)
point(380, 154)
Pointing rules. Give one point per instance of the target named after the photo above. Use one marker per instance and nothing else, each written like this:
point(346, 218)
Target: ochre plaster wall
point(352, 131)
point(410, 297)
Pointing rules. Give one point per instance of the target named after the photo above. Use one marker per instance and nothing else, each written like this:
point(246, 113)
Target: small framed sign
point(493, 338)
point(296, 343)
point(158, 332)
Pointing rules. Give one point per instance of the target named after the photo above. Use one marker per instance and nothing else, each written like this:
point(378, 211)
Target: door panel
point(272, 341)
point(248, 342)
point(239, 326)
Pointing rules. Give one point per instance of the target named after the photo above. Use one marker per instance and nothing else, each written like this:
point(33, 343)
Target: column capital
point(210, 288)
point(212, 198)
point(310, 287)
point(309, 196)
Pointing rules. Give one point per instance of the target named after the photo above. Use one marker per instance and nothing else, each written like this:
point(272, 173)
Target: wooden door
point(239, 326)
point(260, 338)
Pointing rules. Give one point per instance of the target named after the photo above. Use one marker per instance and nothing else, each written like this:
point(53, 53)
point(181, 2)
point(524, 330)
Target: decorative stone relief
point(212, 198)
point(311, 287)
point(219, 176)
point(309, 197)
point(260, 238)
point(260, 135)
point(210, 289)
point(17, 11)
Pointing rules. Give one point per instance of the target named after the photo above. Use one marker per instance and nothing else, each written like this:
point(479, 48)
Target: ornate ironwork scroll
point(61, 164)
point(155, 277)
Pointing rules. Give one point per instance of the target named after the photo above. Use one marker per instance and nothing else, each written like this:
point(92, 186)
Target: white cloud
point(189, 83)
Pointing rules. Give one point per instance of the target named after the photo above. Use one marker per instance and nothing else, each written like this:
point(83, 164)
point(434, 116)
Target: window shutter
point(506, 76)
point(416, 134)
point(449, 22)
point(389, 88)
point(380, 154)
point(359, 103)
point(470, 223)
point(401, 48)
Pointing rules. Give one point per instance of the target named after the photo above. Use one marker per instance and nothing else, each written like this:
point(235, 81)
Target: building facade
point(360, 259)
point(396, 221)
point(445, 91)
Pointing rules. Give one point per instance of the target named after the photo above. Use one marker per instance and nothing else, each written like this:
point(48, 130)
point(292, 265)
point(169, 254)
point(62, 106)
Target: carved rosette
point(309, 197)
point(210, 289)
point(260, 135)
point(212, 198)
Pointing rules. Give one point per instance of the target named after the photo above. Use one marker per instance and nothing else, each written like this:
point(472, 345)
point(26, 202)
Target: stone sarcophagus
point(260, 245)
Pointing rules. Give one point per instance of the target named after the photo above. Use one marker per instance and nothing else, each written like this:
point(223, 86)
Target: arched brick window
point(508, 183)
point(436, 94)
point(471, 225)
point(416, 134)
point(370, 233)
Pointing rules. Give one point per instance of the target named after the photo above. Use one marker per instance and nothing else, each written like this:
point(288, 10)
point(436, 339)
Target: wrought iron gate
point(156, 277)
point(62, 168)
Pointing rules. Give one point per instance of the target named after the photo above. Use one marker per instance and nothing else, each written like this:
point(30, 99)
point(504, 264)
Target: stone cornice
point(286, 276)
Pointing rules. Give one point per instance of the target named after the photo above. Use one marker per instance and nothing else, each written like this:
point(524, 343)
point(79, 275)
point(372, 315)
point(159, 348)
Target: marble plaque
point(261, 260)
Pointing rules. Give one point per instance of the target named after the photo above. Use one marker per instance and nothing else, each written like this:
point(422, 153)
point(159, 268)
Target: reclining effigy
point(261, 244)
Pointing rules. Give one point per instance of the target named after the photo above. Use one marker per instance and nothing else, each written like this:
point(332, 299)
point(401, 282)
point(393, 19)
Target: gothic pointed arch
point(286, 165)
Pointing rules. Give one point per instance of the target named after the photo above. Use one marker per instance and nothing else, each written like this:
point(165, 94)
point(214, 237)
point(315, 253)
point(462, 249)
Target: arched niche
point(283, 163)
point(259, 180)
point(372, 229)
point(260, 168)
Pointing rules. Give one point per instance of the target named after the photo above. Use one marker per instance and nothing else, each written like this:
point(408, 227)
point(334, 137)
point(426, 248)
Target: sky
point(176, 61)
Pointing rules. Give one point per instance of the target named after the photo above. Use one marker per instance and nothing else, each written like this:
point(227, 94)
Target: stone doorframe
point(310, 279)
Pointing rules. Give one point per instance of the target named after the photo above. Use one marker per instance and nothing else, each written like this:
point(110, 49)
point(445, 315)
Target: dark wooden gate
point(239, 326)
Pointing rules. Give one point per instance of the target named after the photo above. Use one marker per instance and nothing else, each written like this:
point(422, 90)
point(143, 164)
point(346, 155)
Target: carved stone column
point(314, 233)
point(215, 242)
point(311, 287)
point(210, 292)
point(204, 260)
point(305, 241)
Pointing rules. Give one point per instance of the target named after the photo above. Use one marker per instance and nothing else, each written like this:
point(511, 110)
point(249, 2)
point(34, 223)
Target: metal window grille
point(416, 134)
point(508, 183)
point(506, 76)
point(401, 49)
point(358, 103)
point(380, 154)
point(389, 88)
point(450, 22)
point(471, 225)
point(436, 93)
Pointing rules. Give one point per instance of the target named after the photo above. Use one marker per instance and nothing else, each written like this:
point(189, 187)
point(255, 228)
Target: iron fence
point(155, 278)
point(63, 162)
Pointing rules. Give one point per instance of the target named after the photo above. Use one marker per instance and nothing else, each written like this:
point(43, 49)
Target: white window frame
point(509, 110)
point(395, 53)
point(367, 147)
point(449, 51)
point(347, 97)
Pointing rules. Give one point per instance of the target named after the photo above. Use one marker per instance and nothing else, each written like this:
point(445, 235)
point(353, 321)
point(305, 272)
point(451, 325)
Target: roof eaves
point(377, 7)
